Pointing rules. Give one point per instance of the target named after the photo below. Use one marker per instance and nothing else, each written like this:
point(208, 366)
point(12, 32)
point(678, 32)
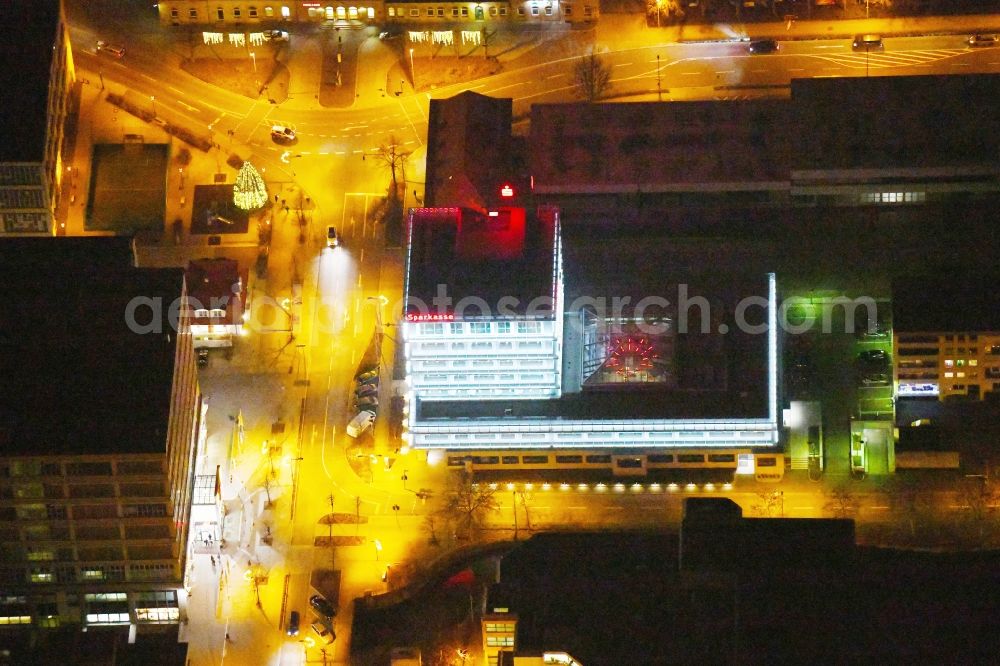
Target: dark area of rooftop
point(24, 76)
point(98, 646)
point(612, 599)
point(896, 121)
point(946, 302)
point(76, 377)
point(478, 256)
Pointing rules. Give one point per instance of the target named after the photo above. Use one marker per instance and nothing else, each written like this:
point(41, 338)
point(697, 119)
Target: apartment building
point(239, 13)
point(946, 337)
point(99, 419)
point(38, 78)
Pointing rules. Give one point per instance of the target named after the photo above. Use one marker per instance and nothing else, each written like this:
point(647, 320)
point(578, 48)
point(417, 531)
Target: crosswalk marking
point(883, 60)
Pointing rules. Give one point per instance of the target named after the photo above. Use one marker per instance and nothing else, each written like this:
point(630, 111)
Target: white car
point(113, 49)
point(276, 35)
point(982, 40)
point(360, 423)
point(280, 133)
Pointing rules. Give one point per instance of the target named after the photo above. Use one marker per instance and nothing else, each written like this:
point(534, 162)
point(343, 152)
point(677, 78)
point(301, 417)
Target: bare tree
point(768, 503)
point(592, 77)
point(392, 156)
point(841, 502)
point(976, 494)
point(468, 504)
point(524, 497)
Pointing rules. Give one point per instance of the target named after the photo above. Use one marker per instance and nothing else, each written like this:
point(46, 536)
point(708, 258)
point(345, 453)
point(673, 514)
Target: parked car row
point(325, 613)
point(365, 401)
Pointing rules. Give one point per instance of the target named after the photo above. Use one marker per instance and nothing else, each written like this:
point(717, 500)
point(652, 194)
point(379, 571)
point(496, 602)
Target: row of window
point(481, 328)
point(65, 574)
point(479, 347)
point(893, 197)
point(604, 459)
point(220, 14)
point(38, 468)
point(530, 377)
point(486, 363)
point(82, 490)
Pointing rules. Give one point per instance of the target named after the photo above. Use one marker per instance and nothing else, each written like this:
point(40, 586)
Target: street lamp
point(152, 100)
point(253, 59)
point(659, 6)
point(378, 549)
point(413, 73)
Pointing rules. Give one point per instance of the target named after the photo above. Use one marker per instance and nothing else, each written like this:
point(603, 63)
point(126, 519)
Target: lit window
point(961, 374)
point(392, 12)
point(268, 11)
point(286, 12)
point(973, 362)
point(457, 328)
point(480, 328)
point(949, 363)
point(503, 327)
point(948, 375)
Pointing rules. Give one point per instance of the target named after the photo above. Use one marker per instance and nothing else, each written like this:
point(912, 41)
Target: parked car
point(367, 402)
point(276, 35)
point(282, 134)
point(360, 423)
point(982, 40)
point(875, 379)
point(293, 624)
point(324, 634)
point(202, 357)
point(874, 356)
point(322, 606)
point(868, 42)
point(759, 46)
point(367, 377)
point(113, 49)
point(365, 390)
point(332, 239)
point(878, 332)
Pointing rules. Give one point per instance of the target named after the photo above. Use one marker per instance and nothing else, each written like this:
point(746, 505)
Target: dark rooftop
point(896, 121)
point(26, 52)
point(480, 256)
point(76, 379)
point(470, 135)
point(617, 598)
point(946, 302)
point(605, 147)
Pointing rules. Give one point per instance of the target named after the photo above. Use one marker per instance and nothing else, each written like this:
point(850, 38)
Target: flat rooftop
point(77, 378)
point(947, 301)
point(896, 121)
point(486, 256)
point(26, 52)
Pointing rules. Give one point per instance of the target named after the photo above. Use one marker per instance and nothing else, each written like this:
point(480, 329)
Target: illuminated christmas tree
point(249, 192)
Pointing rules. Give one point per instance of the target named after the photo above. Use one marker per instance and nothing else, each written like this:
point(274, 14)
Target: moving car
point(113, 49)
point(868, 42)
point(322, 606)
point(360, 423)
point(280, 133)
point(332, 240)
point(293, 624)
point(982, 40)
point(276, 35)
point(202, 357)
point(759, 46)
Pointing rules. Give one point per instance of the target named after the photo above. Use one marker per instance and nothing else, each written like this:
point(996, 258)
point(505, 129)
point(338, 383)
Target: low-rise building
point(100, 414)
point(946, 336)
point(216, 301)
